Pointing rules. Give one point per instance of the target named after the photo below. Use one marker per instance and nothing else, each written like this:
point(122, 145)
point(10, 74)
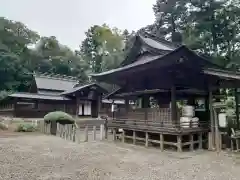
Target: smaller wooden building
point(49, 92)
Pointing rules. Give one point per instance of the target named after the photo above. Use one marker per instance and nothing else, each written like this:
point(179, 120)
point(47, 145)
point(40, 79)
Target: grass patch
point(26, 127)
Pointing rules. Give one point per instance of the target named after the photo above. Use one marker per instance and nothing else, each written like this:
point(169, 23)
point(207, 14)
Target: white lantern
point(188, 111)
point(222, 120)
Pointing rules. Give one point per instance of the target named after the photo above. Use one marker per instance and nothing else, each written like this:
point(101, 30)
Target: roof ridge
point(54, 95)
point(158, 39)
point(56, 76)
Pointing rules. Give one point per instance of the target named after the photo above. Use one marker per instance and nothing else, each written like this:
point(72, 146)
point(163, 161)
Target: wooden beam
point(126, 104)
point(200, 139)
point(173, 104)
point(15, 107)
point(217, 140)
point(191, 142)
point(237, 107)
point(77, 106)
point(145, 106)
point(211, 117)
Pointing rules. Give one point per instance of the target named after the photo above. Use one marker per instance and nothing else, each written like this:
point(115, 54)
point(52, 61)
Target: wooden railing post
point(114, 134)
point(74, 128)
point(161, 142)
point(134, 137)
point(106, 129)
point(123, 136)
point(179, 143)
point(86, 134)
point(101, 132)
point(146, 139)
point(94, 133)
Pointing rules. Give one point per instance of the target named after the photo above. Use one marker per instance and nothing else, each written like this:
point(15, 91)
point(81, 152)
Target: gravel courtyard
point(42, 157)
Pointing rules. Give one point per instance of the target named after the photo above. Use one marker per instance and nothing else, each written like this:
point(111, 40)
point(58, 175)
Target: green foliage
point(26, 128)
point(4, 94)
point(23, 51)
point(60, 117)
point(210, 27)
point(102, 48)
point(3, 126)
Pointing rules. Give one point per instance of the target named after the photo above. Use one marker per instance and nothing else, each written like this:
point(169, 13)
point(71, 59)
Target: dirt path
point(45, 157)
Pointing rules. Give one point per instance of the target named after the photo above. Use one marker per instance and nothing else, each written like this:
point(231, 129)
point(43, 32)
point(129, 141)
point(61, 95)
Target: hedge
point(59, 117)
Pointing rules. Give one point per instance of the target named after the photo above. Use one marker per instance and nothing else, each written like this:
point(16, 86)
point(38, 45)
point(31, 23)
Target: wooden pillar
point(237, 107)
point(64, 107)
point(36, 104)
point(211, 118)
point(200, 140)
point(217, 140)
point(99, 105)
point(206, 101)
point(77, 106)
point(191, 142)
point(179, 143)
point(191, 101)
point(94, 108)
point(145, 106)
point(134, 137)
point(15, 107)
point(173, 105)
point(127, 104)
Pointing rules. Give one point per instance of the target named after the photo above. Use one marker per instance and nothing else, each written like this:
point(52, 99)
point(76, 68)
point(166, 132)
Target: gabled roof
point(157, 43)
point(84, 87)
point(54, 82)
point(148, 43)
point(147, 60)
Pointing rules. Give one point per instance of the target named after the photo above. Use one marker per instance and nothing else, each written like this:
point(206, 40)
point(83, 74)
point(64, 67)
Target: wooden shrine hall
point(160, 76)
point(51, 92)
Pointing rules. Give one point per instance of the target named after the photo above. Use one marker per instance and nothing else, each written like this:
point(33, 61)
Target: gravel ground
point(42, 157)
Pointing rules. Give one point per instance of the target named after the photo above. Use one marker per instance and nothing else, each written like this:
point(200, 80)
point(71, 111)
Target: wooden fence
point(75, 133)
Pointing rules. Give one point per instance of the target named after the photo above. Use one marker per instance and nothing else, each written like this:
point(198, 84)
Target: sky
point(69, 19)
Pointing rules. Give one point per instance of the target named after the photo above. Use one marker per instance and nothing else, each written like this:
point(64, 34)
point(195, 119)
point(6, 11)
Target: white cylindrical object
point(195, 122)
point(185, 122)
point(222, 120)
point(188, 111)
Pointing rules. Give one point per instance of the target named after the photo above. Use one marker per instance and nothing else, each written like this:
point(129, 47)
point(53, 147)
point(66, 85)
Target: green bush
point(26, 128)
point(59, 117)
point(3, 126)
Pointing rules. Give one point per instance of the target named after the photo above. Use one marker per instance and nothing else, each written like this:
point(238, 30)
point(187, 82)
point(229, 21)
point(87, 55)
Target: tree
point(102, 48)
point(19, 58)
point(211, 27)
point(51, 56)
point(171, 16)
point(15, 38)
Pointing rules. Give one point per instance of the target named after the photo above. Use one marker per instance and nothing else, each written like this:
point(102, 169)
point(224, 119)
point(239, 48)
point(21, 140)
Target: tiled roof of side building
point(54, 82)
